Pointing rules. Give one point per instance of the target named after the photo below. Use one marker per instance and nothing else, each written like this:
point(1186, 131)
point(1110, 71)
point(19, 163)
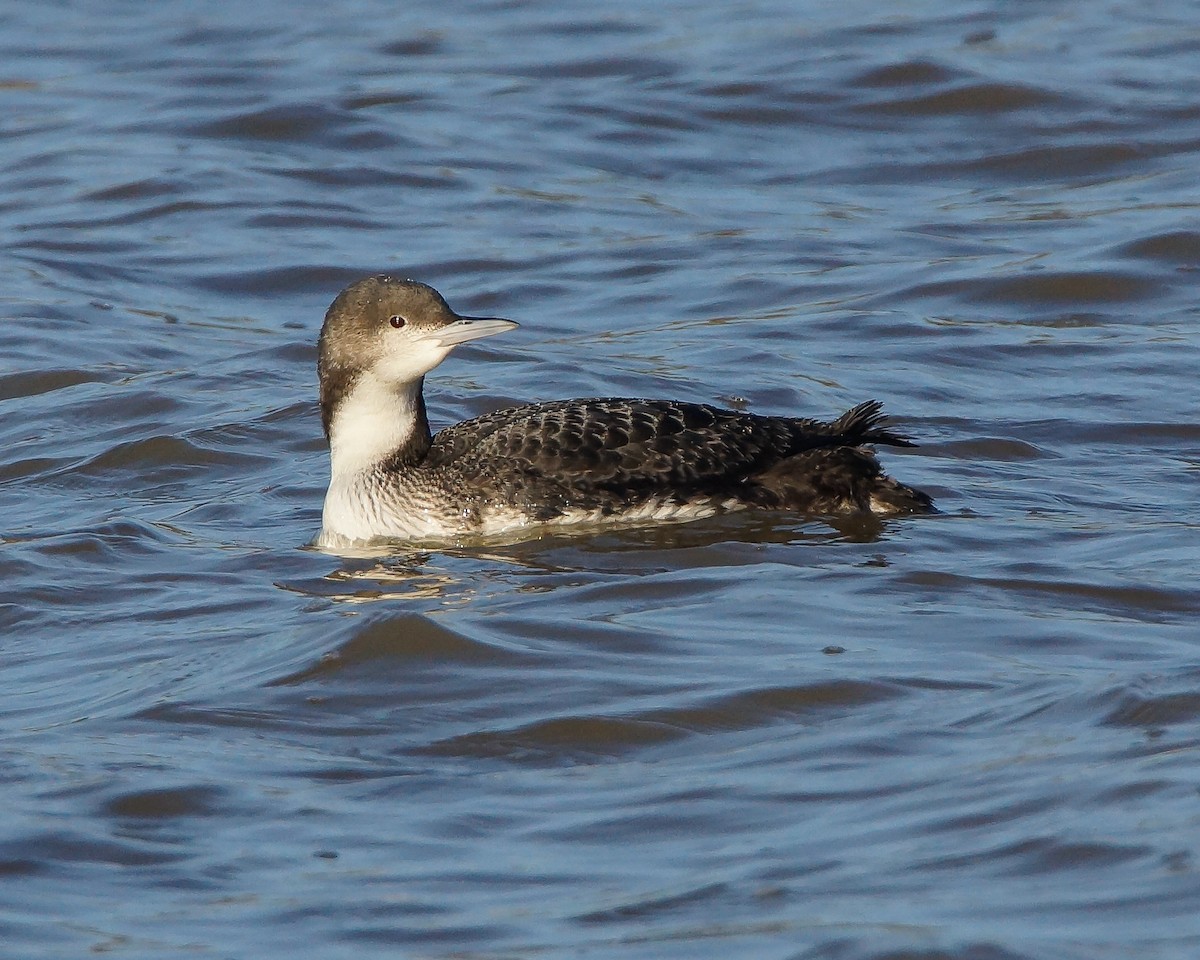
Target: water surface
point(970, 736)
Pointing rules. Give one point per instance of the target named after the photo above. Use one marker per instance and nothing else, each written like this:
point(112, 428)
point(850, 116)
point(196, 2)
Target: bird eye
point(397, 322)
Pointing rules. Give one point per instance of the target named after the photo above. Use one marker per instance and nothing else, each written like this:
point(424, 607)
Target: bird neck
point(378, 425)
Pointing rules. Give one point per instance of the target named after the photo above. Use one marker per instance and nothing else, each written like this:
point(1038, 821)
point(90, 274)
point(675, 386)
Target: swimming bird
point(520, 469)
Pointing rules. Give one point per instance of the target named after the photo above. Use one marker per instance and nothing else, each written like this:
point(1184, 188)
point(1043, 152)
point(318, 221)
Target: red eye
point(397, 322)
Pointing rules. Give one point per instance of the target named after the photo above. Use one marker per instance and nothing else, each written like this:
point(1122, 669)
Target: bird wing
point(639, 446)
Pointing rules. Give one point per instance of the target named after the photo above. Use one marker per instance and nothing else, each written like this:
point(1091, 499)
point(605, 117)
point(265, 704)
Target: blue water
point(970, 736)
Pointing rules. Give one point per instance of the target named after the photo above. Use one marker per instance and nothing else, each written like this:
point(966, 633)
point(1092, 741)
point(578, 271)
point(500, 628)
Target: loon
point(568, 461)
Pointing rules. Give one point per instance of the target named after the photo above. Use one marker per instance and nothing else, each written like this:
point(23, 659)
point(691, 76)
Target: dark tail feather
point(867, 423)
point(833, 480)
point(892, 496)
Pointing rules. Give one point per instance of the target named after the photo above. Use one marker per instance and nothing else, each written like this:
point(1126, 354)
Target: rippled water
point(972, 736)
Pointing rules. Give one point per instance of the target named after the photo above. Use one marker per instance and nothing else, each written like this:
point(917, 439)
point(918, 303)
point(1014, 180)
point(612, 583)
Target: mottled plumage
point(610, 454)
point(567, 461)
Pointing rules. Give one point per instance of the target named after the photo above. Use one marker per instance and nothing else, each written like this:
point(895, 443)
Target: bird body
point(600, 460)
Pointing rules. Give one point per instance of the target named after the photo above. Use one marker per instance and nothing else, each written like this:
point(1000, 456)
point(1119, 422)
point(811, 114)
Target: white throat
point(372, 421)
